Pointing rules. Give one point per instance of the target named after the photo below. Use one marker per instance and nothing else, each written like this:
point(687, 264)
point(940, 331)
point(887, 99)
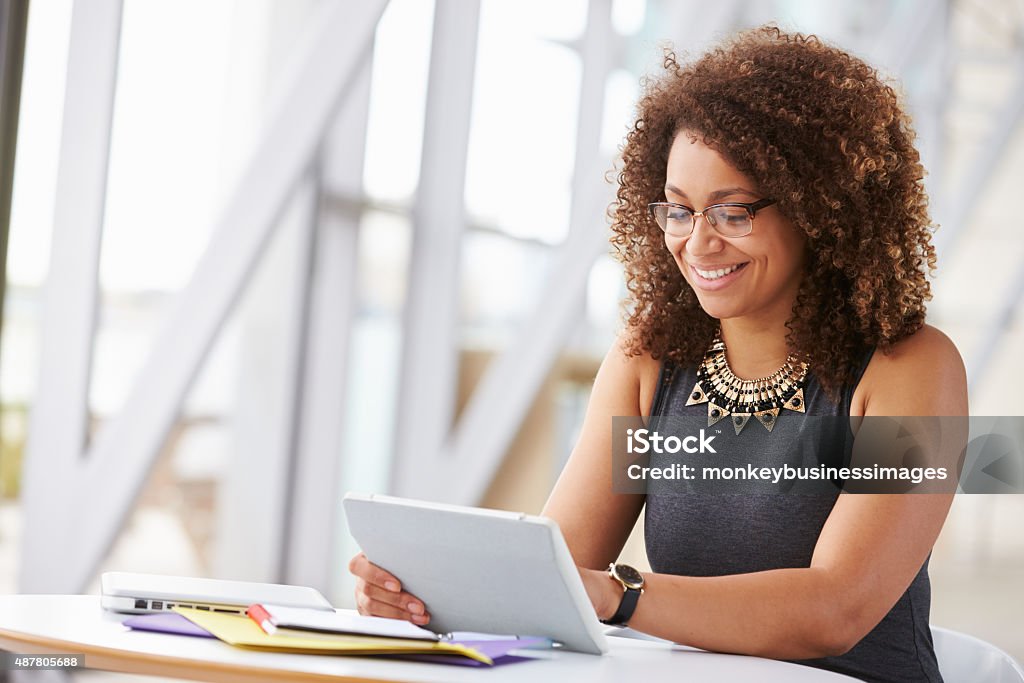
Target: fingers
point(377, 602)
point(403, 601)
point(372, 574)
point(379, 594)
point(374, 608)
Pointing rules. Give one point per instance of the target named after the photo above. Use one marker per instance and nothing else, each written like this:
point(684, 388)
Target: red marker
point(262, 618)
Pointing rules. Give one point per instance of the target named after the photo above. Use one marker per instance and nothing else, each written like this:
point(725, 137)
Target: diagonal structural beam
point(600, 50)
point(504, 395)
point(511, 382)
point(985, 163)
point(125, 450)
point(60, 414)
point(426, 403)
point(981, 360)
point(912, 45)
point(253, 496)
point(457, 465)
point(311, 531)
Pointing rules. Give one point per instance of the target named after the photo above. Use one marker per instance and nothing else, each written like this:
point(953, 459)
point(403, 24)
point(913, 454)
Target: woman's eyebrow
point(717, 194)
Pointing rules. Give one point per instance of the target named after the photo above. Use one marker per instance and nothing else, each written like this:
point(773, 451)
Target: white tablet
point(146, 593)
point(479, 570)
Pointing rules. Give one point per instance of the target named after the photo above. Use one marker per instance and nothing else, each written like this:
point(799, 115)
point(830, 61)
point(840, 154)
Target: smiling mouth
point(717, 273)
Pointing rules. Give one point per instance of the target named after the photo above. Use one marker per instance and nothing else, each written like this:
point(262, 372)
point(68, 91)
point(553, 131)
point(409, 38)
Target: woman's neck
point(754, 348)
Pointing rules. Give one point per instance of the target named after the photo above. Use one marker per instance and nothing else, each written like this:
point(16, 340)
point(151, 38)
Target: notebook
point(281, 618)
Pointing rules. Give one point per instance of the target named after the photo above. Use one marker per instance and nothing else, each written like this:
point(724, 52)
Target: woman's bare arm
point(595, 521)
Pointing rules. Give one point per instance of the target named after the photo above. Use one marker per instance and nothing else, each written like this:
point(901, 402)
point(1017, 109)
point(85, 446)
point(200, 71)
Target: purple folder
point(497, 650)
point(167, 622)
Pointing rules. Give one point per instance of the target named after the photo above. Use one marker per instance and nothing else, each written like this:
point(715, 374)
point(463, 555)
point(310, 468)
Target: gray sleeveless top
point(716, 534)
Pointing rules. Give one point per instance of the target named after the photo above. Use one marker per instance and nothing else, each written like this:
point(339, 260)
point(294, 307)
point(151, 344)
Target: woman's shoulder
point(629, 349)
point(929, 347)
point(922, 374)
point(631, 361)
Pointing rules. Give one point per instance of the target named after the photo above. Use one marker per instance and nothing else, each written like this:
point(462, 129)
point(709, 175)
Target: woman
point(773, 224)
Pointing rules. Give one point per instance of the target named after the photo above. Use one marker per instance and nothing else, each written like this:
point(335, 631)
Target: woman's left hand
point(602, 590)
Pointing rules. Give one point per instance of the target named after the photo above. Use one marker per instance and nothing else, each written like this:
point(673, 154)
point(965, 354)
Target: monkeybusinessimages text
point(644, 442)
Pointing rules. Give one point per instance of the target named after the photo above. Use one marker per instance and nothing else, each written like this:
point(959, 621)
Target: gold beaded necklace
point(740, 399)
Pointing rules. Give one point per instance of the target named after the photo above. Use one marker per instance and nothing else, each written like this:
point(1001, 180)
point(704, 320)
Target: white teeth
point(715, 274)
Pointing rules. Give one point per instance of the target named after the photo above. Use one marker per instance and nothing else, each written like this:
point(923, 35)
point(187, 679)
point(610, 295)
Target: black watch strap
point(630, 598)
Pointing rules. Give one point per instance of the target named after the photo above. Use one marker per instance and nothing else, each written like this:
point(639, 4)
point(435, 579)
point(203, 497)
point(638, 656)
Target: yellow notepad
point(241, 631)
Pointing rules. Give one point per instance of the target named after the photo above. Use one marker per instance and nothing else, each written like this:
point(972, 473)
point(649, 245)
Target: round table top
point(76, 624)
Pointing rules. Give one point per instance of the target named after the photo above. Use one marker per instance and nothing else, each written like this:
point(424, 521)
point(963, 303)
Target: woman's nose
point(703, 240)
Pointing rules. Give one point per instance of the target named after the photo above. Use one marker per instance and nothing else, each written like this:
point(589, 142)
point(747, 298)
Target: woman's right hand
point(380, 594)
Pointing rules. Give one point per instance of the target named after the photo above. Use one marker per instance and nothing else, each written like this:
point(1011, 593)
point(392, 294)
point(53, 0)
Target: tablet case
point(479, 570)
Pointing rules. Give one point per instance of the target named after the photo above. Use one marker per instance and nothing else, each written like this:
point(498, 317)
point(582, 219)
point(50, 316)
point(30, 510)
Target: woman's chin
point(719, 310)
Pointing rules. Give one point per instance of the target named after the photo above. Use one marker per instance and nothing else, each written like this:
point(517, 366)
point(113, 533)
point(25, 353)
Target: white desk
point(76, 624)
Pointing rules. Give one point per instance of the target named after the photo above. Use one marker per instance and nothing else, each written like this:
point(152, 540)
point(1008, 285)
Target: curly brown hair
point(820, 132)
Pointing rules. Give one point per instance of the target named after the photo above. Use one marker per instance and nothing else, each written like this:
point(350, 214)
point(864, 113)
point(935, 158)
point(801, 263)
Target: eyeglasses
point(731, 219)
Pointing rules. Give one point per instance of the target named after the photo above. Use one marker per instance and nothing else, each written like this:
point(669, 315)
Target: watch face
point(631, 577)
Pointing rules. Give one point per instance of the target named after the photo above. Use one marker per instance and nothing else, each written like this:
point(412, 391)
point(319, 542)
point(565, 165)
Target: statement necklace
point(740, 399)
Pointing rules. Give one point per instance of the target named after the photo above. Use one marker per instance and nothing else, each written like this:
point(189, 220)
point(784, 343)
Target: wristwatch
point(632, 583)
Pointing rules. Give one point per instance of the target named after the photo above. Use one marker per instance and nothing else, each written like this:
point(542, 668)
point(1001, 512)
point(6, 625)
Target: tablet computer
point(479, 570)
point(136, 593)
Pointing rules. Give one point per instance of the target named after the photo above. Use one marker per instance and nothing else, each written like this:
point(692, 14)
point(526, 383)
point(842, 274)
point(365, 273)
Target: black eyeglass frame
point(752, 209)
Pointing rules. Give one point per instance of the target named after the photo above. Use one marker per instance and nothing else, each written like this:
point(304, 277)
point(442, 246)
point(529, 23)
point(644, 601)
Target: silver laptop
point(479, 570)
point(136, 593)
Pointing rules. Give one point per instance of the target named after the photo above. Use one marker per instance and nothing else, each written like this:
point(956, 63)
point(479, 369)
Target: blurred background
point(259, 253)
